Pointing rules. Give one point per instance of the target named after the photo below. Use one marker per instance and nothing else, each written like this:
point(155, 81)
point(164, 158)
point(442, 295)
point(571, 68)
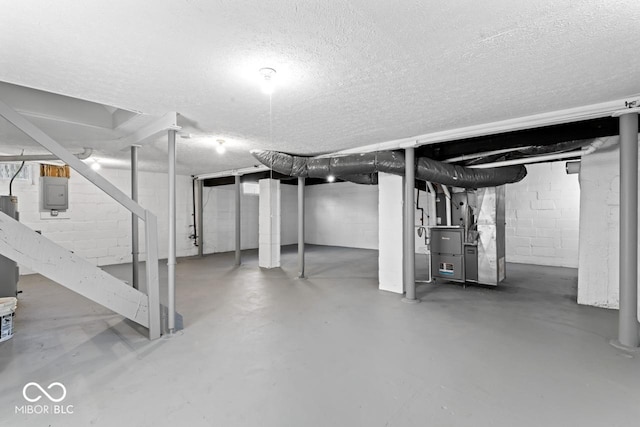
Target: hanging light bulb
point(220, 148)
point(268, 76)
point(331, 178)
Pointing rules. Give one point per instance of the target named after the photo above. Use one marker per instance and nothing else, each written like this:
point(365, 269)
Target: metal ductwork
point(363, 169)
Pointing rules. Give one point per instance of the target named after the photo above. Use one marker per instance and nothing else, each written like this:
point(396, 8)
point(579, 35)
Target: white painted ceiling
point(349, 73)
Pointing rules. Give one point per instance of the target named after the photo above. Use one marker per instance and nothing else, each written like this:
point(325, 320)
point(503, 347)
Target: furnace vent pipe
point(447, 204)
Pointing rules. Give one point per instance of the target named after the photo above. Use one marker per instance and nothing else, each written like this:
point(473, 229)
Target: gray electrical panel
point(9, 273)
point(54, 193)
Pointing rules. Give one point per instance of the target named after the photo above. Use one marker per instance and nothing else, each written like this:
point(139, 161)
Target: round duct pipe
point(572, 167)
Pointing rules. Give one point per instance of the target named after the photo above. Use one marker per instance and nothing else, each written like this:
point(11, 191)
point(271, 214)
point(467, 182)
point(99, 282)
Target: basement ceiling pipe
point(43, 157)
point(572, 167)
point(483, 154)
point(549, 157)
point(360, 167)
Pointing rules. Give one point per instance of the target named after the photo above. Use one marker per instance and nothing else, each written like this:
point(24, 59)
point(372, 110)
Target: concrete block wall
point(390, 253)
point(543, 217)
point(289, 214)
point(269, 223)
point(96, 227)
point(219, 218)
point(342, 214)
point(598, 273)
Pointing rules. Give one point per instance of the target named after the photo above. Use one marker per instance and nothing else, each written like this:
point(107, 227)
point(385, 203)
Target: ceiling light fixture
point(95, 165)
point(331, 178)
point(220, 148)
point(268, 76)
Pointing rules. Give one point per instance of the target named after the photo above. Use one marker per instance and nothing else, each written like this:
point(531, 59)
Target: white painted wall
point(543, 216)
point(390, 265)
point(96, 227)
point(269, 223)
point(289, 214)
point(598, 273)
point(342, 214)
point(219, 218)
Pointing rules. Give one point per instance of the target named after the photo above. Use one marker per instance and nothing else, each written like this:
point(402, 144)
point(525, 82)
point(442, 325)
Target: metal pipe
point(557, 156)
point(200, 236)
point(238, 222)
point(572, 167)
point(171, 262)
point(43, 157)
point(194, 211)
point(233, 172)
point(447, 204)
point(301, 184)
point(483, 154)
point(409, 227)
point(628, 314)
point(135, 235)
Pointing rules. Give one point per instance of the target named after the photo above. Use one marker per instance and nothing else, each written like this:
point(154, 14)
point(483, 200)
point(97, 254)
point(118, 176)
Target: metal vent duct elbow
point(362, 168)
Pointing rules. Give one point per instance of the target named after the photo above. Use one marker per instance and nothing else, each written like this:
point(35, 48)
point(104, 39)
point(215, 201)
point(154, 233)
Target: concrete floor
point(261, 348)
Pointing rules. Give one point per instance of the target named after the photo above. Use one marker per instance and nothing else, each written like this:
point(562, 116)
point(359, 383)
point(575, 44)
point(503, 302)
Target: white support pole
point(135, 236)
point(301, 182)
point(200, 214)
point(153, 280)
point(238, 221)
point(171, 262)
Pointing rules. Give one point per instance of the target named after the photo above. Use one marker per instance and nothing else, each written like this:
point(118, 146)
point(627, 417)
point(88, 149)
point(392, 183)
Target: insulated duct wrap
point(363, 169)
point(459, 176)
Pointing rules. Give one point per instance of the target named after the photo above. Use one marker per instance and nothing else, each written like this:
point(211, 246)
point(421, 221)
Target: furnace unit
point(472, 248)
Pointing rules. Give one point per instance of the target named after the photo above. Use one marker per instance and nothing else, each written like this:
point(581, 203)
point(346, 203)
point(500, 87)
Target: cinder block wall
point(599, 272)
point(543, 217)
point(342, 214)
point(219, 218)
point(96, 227)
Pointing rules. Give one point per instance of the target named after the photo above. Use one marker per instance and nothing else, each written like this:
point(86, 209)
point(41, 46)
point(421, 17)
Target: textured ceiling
point(350, 73)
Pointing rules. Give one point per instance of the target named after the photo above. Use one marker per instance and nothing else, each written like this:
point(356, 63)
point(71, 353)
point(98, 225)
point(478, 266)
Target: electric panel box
point(54, 193)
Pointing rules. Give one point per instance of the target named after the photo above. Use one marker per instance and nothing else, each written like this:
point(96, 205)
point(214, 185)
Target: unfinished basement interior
point(387, 213)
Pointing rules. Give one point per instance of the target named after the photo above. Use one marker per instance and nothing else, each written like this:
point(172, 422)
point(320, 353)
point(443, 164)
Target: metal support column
point(200, 218)
point(409, 221)
point(238, 221)
point(628, 314)
point(301, 227)
point(171, 262)
point(135, 235)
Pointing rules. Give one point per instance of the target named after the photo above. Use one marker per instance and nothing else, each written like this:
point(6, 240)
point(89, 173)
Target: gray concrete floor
point(261, 348)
